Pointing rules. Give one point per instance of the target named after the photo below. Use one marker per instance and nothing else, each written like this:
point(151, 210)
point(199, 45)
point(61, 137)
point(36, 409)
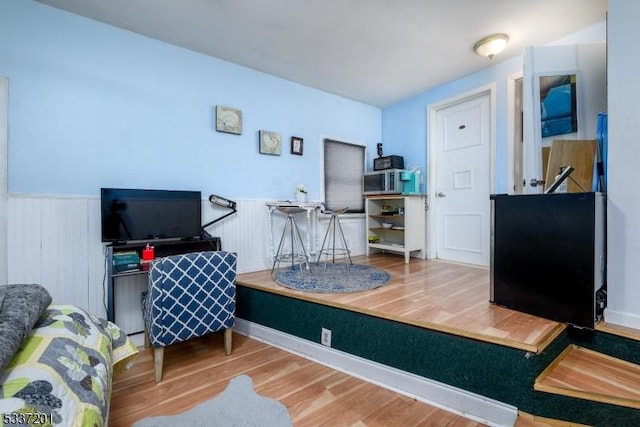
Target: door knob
point(535, 182)
point(440, 194)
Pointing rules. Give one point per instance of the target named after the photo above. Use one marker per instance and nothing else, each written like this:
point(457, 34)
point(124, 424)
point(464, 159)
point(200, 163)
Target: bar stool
point(291, 227)
point(333, 250)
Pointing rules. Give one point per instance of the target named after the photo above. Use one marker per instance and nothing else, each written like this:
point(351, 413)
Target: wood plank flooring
point(586, 374)
point(433, 294)
point(314, 395)
point(528, 420)
point(621, 331)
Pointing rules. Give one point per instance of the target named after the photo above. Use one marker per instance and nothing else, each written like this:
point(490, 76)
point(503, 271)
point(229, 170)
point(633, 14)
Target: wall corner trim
point(622, 319)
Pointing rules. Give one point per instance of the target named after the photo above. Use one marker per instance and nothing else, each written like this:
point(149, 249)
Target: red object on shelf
point(148, 253)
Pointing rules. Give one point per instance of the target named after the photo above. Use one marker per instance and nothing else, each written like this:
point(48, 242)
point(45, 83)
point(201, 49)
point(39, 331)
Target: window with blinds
point(343, 169)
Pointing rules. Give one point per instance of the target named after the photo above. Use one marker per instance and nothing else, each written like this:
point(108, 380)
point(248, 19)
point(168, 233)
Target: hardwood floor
point(586, 374)
point(528, 420)
point(314, 395)
point(433, 294)
point(622, 331)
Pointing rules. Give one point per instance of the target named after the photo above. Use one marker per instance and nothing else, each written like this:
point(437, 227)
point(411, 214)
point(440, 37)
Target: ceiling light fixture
point(491, 45)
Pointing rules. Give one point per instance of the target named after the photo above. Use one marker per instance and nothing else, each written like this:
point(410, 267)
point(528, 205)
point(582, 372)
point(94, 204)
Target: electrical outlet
point(325, 338)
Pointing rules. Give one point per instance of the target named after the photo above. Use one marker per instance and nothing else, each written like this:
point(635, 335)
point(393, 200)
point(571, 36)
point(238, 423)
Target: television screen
point(129, 214)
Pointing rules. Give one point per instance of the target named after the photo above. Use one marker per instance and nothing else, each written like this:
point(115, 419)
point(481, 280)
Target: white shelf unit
point(406, 214)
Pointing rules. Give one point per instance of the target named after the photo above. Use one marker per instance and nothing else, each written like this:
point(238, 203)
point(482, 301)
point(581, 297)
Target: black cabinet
point(548, 255)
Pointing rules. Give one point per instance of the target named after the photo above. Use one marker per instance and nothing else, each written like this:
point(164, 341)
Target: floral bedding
point(62, 372)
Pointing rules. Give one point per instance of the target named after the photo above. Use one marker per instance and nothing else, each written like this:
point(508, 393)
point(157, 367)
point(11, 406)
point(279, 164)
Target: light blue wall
point(95, 106)
point(404, 125)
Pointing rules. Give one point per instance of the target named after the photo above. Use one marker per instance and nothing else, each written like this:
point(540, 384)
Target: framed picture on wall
point(228, 120)
point(269, 142)
point(296, 145)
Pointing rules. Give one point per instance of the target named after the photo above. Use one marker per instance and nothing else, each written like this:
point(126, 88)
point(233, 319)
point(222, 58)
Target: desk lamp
point(224, 203)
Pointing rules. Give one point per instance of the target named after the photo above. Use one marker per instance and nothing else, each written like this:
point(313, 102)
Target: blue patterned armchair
point(189, 296)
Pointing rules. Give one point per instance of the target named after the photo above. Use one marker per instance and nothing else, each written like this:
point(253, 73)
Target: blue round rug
point(334, 278)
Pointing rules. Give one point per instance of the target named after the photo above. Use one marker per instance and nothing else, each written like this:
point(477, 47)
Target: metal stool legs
point(295, 238)
point(334, 230)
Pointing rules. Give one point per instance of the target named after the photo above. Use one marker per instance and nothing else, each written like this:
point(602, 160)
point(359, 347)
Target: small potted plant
point(301, 193)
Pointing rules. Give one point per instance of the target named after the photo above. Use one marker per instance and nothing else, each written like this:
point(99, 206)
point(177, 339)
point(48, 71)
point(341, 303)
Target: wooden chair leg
point(147, 341)
point(158, 356)
point(227, 341)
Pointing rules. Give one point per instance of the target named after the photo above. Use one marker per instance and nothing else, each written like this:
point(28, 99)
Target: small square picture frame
point(297, 145)
point(228, 120)
point(270, 142)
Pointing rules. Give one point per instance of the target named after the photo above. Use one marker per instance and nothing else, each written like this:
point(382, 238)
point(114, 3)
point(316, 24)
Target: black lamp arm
point(222, 202)
point(219, 219)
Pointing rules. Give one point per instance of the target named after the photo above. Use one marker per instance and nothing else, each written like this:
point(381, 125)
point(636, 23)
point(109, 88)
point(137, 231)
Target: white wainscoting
point(55, 241)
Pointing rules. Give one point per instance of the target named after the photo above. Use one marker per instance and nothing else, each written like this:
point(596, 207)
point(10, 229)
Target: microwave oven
point(388, 162)
point(382, 182)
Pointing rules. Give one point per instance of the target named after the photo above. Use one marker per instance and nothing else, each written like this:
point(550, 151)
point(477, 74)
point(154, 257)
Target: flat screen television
point(134, 215)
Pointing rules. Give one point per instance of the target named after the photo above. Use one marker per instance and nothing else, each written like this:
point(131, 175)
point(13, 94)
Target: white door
point(463, 180)
point(588, 62)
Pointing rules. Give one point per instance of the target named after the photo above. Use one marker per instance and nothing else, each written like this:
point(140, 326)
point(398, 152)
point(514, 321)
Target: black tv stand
point(162, 248)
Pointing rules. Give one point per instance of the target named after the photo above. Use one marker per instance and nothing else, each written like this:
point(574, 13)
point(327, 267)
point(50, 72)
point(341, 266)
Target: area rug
point(332, 278)
point(238, 405)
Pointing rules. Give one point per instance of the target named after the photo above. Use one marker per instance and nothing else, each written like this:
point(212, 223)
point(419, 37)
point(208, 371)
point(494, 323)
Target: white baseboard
point(470, 405)
point(621, 319)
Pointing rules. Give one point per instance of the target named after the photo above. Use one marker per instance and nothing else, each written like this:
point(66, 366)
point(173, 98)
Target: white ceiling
point(374, 51)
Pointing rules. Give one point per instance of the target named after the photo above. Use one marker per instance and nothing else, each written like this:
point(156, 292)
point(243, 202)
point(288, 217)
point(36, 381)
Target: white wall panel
point(245, 232)
point(64, 249)
point(128, 312)
point(24, 241)
point(353, 227)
